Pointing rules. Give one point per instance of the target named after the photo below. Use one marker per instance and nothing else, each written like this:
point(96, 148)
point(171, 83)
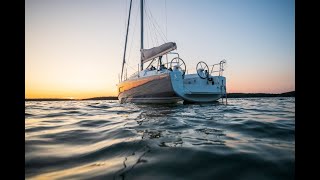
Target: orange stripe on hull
point(147, 89)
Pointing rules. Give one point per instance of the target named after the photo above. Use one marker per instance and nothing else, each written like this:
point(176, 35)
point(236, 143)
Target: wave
point(252, 138)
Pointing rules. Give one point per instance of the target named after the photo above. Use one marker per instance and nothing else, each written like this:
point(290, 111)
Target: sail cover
point(148, 54)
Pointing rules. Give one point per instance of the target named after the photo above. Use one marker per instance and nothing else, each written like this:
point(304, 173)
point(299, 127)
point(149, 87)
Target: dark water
point(247, 139)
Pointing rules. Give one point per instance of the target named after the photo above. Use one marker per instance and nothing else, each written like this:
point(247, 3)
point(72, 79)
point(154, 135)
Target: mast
point(141, 11)
point(125, 46)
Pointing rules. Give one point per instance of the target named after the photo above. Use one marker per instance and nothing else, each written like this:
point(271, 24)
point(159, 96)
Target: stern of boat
point(197, 88)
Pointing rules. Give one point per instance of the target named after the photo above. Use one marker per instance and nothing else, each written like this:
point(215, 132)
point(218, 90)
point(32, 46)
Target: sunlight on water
point(252, 138)
point(80, 171)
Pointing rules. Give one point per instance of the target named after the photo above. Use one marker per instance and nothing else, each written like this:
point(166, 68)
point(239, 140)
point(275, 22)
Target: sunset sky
point(74, 48)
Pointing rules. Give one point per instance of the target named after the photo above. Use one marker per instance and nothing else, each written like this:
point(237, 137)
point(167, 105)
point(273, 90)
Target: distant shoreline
point(63, 99)
point(253, 95)
point(229, 95)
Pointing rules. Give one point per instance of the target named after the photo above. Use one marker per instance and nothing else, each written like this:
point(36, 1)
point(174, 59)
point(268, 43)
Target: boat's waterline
point(155, 100)
point(171, 87)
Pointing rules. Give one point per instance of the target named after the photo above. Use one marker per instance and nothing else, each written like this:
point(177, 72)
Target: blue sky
point(74, 48)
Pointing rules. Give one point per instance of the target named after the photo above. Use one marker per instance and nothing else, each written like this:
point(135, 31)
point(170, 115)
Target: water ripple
point(253, 138)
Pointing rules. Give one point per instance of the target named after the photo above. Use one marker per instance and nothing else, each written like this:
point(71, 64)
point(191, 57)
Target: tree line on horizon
point(229, 95)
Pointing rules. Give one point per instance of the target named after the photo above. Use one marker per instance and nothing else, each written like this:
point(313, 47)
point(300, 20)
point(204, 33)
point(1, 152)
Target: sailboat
point(169, 82)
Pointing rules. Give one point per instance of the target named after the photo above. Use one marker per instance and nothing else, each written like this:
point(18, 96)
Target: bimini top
point(148, 54)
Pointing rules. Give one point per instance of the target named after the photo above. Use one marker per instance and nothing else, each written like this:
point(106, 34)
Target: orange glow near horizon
point(75, 50)
point(85, 90)
point(67, 94)
point(68, 91)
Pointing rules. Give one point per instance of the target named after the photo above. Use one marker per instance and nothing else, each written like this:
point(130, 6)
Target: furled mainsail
point(148, 54)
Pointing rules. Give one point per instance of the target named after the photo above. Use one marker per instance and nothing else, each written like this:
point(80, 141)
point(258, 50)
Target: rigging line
point(152, 19)
point(159, 32)
point(149, 34)
point(148, 30)
point(149, 21)
point(126, 15)
point(157, 23)
point(155, 31)
point(146, 34)
point(128, 65)
point(134, 30)
point(152, 31)
point(155, 35)
point(148, 13)
point(147, 37)
point(152, 27)
point(149, 27)
point(125, 46)
point(165, 7)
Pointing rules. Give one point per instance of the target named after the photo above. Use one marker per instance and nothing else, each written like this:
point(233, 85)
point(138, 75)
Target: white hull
point(194, 89)
point(171, 87)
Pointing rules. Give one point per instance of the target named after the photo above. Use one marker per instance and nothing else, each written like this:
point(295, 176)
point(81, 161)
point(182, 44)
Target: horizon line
point(90, 98)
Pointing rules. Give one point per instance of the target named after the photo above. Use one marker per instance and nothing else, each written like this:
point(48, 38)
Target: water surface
point(251, 138)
